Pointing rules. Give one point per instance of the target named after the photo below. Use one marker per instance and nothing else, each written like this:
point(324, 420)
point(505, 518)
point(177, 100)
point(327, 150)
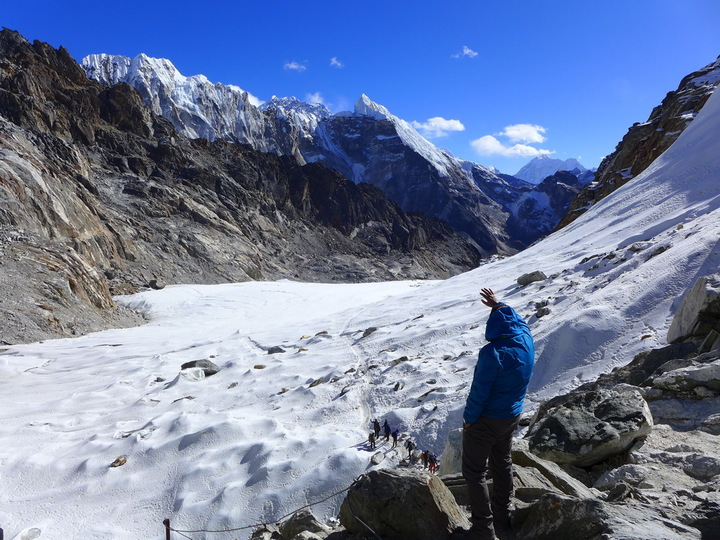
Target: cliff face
point(100, 196)
point(644, 142)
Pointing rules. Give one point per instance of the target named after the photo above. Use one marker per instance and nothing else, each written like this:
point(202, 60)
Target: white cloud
point(334, 62)
point(437, 127)
point(524, 133)
point(490, 146)
point(315, 98)
point(466, 51)
point(295, 66)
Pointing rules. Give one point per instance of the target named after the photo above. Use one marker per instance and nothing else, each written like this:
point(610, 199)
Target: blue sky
point(494, 82)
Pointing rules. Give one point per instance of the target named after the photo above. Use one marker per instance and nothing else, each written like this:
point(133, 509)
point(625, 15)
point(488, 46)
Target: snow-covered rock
point(539, 168)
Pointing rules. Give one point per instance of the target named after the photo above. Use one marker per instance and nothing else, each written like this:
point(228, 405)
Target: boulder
point(586, 427)
point(530, 484)
point(699, 312)
point(398, 505)
point(369, 331)
point(527, 279)
point(557, 516)
point(208, 367)
point(553, 473)
point(276, 349)
point(304, 522)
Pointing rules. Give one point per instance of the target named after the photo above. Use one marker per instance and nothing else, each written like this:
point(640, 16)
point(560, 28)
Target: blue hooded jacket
point(504, 368)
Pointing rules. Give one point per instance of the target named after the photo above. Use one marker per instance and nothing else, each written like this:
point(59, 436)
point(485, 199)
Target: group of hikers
point(428, 459)
point(387, 431)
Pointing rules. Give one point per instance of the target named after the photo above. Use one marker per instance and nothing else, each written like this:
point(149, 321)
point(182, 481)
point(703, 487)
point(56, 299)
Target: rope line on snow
point(184, 532)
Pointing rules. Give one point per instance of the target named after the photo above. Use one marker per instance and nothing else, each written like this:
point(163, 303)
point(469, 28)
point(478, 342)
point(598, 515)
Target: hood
point(505, 323)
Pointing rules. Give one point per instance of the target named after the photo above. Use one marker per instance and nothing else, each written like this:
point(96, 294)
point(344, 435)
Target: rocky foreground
point(635, 454)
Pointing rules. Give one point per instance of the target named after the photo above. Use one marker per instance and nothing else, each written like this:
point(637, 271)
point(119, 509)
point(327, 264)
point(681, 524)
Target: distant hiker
point(371, 438)
point(376, 427)
point(492, 412)
point(394, 436)
point(410, 446)
point(432, 463)
point(424, 459)
point(386, 427)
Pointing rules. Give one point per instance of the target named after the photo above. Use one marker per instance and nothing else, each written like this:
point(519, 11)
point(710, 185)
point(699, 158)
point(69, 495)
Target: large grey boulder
point(531, 277)
point(586, 427)
point(699, 312)
point(399, 505)
point(556, 517)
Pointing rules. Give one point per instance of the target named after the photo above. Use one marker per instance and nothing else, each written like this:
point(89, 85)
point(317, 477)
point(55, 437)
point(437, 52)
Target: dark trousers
point(489, 441)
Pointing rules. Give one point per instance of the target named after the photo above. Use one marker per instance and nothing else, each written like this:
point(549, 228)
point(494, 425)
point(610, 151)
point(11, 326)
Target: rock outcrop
point(99, 196)
point(402, 505)
point(699, 314)
point(557, 516)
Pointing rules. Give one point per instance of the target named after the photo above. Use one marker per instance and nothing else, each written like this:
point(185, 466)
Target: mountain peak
point(543, 166)
point(367, 107)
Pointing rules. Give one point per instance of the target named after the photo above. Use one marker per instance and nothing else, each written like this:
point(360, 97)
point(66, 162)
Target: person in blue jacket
point(492, 413)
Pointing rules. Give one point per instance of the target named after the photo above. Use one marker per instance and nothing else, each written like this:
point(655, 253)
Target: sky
point(497, 83)
point(270, 433)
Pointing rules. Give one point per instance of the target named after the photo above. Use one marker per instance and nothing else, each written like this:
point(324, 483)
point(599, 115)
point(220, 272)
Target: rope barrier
point(168, 528)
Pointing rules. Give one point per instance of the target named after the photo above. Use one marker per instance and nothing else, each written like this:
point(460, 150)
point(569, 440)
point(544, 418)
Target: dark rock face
point(644, 142)
point(92, 175)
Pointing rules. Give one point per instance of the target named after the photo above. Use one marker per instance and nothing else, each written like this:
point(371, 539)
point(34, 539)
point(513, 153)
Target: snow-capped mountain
point(369, 144)
point(541, 167)
point(270, 433)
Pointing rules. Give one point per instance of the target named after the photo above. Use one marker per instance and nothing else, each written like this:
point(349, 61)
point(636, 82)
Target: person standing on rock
point(492, 412)
point(395, 437)
point(386, 428)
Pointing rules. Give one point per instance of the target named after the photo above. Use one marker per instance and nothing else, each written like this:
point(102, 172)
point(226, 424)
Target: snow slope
point(272, 432)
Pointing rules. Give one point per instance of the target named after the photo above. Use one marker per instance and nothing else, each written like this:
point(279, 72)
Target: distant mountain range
point(369, 144)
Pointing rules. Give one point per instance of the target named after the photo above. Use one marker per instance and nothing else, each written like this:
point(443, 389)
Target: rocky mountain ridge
point(644, 142)
point(99, 196)
point(369, 144)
